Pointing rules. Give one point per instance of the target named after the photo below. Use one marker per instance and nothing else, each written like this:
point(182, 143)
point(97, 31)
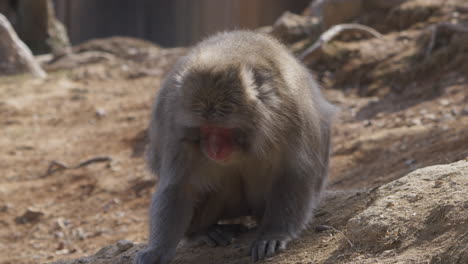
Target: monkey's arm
point(294, 195)
point(171, 212)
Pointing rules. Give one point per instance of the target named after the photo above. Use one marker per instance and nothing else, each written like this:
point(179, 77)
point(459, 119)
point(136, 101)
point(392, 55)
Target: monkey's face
point(218, 114)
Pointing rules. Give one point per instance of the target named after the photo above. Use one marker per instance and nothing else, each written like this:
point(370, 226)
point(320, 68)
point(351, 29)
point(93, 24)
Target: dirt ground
point(401, 109)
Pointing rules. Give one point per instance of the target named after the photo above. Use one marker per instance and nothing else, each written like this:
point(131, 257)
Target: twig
point(334, 31)
point(55, 166)
point(93, 160)
point(322, 228)
point(434, 28)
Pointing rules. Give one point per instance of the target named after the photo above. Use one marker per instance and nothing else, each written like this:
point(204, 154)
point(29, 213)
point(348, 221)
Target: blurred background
point(165, 22)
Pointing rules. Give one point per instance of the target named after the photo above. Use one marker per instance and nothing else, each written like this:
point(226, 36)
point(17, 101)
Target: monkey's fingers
point(148, 256)
point(266, 248)
point(219, 237)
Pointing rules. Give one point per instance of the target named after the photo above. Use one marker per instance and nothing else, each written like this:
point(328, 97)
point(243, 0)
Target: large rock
point(428, 207)
point(15, 56)
point(290, 27)
point(333, 12)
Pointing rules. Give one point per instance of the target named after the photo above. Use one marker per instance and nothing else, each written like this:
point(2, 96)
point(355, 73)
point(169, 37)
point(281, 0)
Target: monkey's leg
point(288, 211)
point(171, 212)
point(170, 216)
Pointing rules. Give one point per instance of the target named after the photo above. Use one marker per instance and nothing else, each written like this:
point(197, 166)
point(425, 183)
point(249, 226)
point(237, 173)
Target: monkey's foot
point(221, 235)
point(152, 256)
point(265, 248)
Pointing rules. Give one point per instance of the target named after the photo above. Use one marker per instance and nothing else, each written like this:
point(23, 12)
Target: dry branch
point(55, 166)
point(333, 32)
point(15, 56)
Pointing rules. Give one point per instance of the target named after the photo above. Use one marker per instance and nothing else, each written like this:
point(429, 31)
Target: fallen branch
point(321, 228)
point(448, 26)
point(55, 166)
point(334, 31)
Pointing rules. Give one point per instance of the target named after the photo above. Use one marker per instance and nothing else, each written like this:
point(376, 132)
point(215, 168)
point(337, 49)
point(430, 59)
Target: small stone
point(4, 208)
point(387, 253)
point(381, 124)
point(124, 245)
point(464, 111)
point(367, 123)
point(431, 117)
point(100, 113)
point(438, 183)
point(80, 233)
point(444, 102)
point(30, 216)
point(416, 122)
point(64, 251)
point(410, 162)
point(413, 198)
point(61, 223)
point(59, 234)
point(322, 228)
point(448, 116)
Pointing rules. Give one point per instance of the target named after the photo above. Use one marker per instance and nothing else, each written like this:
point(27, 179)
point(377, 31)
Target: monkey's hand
point(267, 246)
point(152, 256)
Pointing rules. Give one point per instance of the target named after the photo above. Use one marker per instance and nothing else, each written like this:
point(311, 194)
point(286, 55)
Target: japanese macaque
point(239, 128)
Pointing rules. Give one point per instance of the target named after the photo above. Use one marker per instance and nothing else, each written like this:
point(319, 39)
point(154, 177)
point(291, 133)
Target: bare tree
point(15, 56)
point(36, 24)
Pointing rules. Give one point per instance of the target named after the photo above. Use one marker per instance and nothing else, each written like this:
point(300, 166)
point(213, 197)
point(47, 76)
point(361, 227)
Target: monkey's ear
point(247, 76)
point(259, 77)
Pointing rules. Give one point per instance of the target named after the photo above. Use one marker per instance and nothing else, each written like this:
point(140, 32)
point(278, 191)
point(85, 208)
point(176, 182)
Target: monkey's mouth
point(217, 142)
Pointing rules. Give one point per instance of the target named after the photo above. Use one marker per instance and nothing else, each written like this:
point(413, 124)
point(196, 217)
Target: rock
point(333, 12)
point(122, 252)
point(444, 102)
point(464, 111)
point(290, 27)
point(416, 122)
point(382, 4)
point(428, 206)
point(4, 208)
point(15, 56)
point(30, 216)
point(124, 245)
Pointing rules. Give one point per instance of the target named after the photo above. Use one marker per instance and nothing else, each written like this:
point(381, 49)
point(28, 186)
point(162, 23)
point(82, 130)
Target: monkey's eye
point(191, 134)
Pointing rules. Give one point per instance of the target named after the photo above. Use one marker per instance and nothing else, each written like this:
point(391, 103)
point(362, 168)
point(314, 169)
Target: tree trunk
point(37, 25)
point(15, 56)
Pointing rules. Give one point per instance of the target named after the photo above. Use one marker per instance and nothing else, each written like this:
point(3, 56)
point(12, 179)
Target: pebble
point(431, 117)
point(416, 122)
point(444, 102)
point(124, 245)
point(30, 216)
point(100, 113)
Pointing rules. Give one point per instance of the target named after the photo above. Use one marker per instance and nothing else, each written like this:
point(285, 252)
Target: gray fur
point(249, 82)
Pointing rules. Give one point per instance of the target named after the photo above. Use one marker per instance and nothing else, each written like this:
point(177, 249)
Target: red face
point(217, 142)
